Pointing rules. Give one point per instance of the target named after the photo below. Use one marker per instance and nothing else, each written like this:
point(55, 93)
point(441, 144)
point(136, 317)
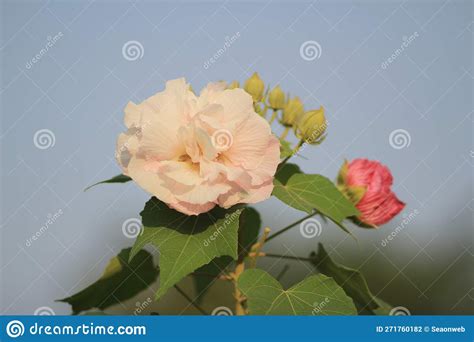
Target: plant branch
point(295, 150)
point(201, 310)
point(285, 132)
point(256, 248)
point(290, 226)
point(209, 275)
point(273, 117)
point(239, 269)
point(282, 272)
point(288, 257)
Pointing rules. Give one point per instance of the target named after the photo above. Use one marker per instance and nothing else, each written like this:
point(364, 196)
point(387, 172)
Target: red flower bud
point(368, 185)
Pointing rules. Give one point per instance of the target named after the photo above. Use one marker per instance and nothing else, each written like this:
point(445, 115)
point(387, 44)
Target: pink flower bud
point(368, 184)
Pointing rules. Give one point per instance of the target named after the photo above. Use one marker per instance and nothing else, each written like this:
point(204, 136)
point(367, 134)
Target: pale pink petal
point(144, 174)
point(250, 142)
point(133, 115)
point(192, 209)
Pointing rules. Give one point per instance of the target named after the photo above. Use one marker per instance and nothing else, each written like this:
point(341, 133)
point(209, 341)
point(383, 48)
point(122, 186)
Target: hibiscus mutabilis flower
point(368, 184)
point(196, 152)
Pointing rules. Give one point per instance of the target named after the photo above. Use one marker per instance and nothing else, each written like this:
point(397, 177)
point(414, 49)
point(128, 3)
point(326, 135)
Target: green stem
point(295, 150)
point(285, 133)
point(273, 117)
point(290, 226)
point(282, 272)
point(289, 257)
point(201, 310)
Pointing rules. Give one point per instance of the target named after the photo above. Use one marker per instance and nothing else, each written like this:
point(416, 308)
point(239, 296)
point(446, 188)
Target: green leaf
point(285, 149)
point(316, 295)
point(249, 228)
point(308, 192)
point(285, 171)
point(384, 308)
point(352, 281)
point(116, 179)
point(186, 242)
point(121, 280)
point(158, 214)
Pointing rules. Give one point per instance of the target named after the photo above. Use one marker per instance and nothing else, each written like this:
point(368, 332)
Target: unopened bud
point(255, 87)
point(292, 111)
point(312, 126)
point(276, 98)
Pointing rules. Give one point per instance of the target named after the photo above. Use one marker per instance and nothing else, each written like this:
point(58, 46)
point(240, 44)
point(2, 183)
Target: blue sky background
point(77, 90)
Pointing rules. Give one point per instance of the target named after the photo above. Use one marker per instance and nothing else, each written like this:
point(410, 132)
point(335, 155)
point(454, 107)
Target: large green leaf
point(285, 171)
point(352, 281)
point(158, 214)
point(308, 192)
point(117, 179)
point(249, 228)
point(186, 242)
point(121, 280)
point(316, 295)
point(384, 309)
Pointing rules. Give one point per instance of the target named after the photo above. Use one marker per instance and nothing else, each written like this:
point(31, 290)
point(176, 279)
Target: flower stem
point(273, 117)
point(201, 310)
point(290, 226)
point(239, 269)
point(285, 133)
point(295, 150)
point(256, 248)
point(289, 257)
